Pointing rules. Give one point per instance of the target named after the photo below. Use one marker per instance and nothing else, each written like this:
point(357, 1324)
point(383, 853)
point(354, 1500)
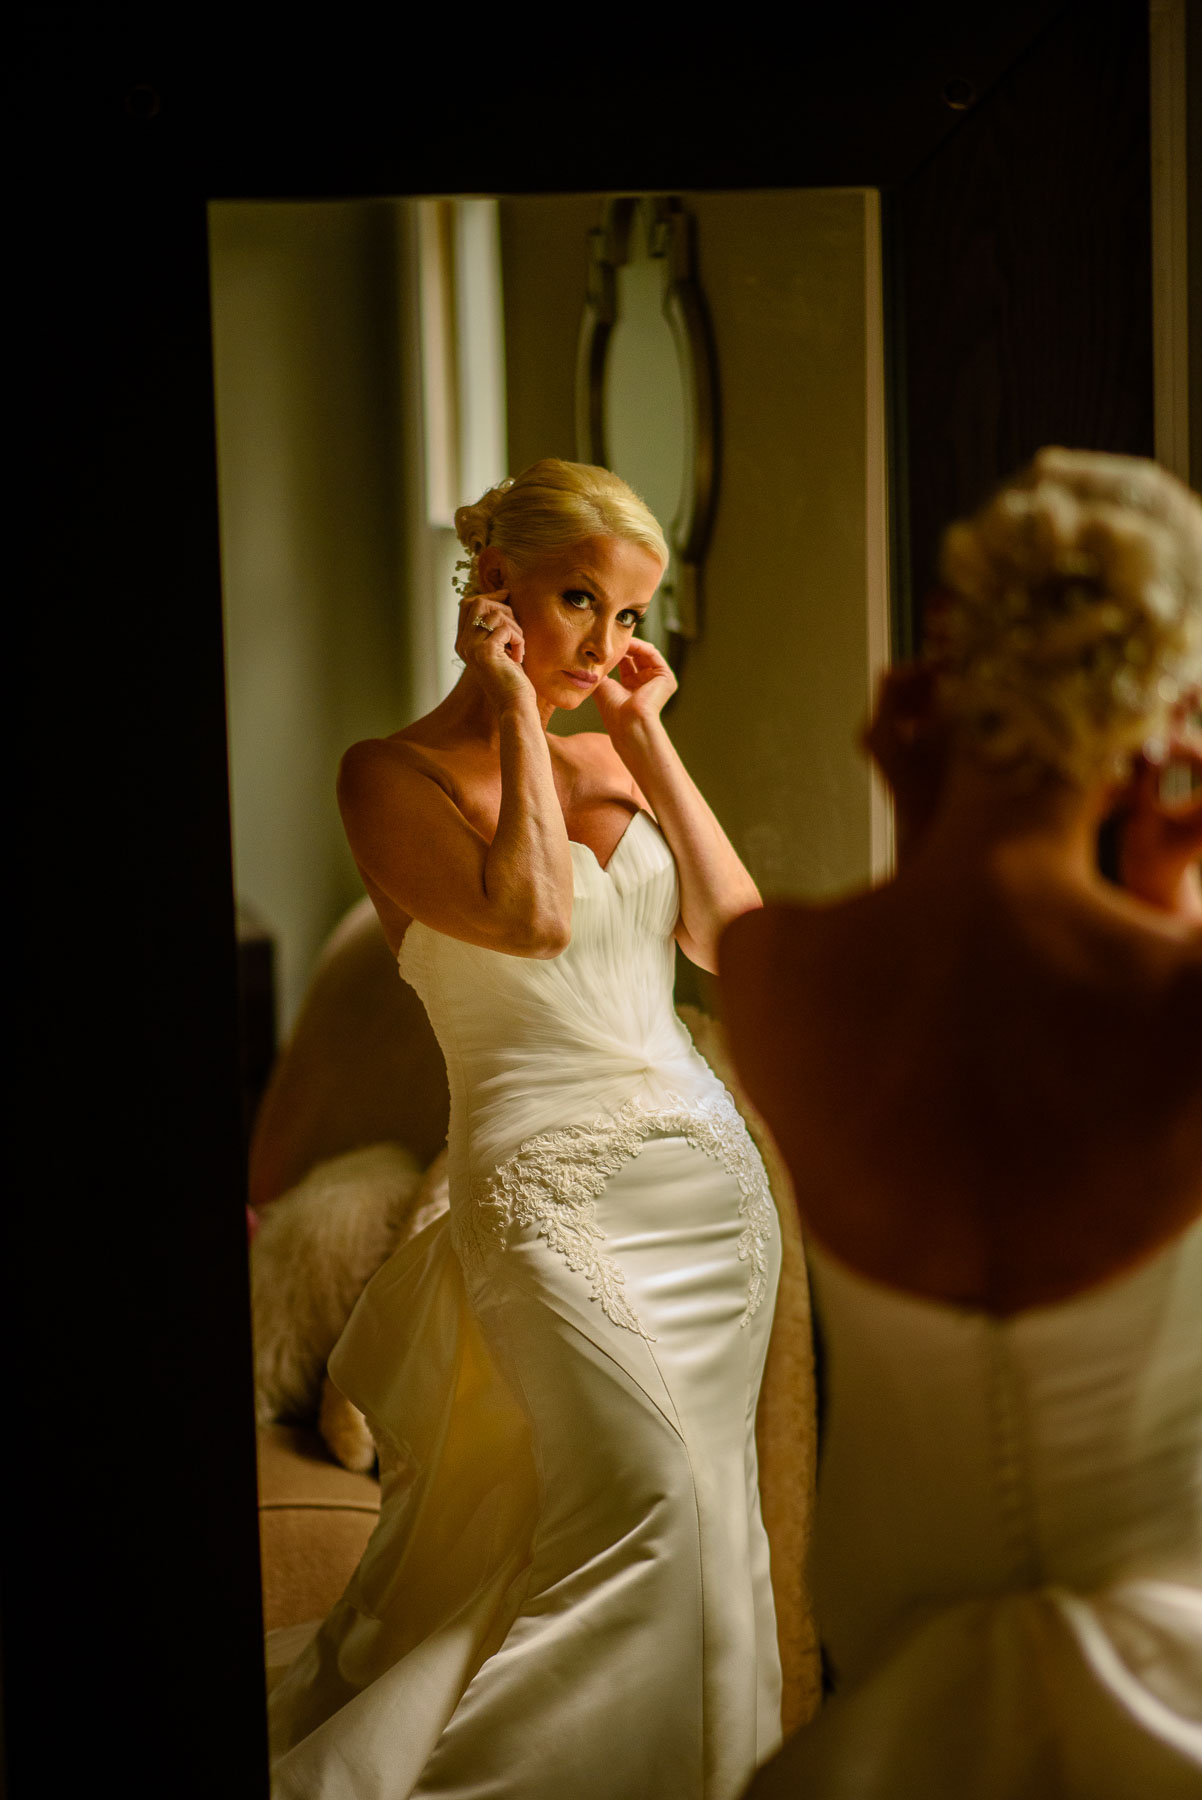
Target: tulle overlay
point(568, 1592)
point(1008, 1548)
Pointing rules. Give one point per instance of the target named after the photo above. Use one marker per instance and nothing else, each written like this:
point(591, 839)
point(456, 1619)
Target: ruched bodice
point(530, 1043)
point(560, 1069)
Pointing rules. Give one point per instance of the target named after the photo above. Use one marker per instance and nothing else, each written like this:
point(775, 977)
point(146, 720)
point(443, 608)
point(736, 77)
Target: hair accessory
point(462, 582)
point(1074, 625)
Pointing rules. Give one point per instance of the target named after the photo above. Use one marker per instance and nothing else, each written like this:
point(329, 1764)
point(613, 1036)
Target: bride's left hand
point(643, 687)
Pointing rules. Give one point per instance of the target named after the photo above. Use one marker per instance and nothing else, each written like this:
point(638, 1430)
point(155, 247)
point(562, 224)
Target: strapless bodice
point(531, 1044)
point(560, 1069)
point(966, 1455)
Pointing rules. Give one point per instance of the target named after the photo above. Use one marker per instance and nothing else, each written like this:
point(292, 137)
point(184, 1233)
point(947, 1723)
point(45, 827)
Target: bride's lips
point(580, 679)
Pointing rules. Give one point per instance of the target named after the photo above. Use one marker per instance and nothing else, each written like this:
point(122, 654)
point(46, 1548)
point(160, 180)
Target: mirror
point(646, 391)
point(380, 362)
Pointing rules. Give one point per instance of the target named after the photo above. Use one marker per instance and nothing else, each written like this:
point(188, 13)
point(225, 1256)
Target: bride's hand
point(490, 643)
point(1160, 842)
point(643, 687)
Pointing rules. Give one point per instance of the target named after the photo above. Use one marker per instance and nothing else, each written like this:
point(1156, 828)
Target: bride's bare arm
point(414, 846)
point(714, 886)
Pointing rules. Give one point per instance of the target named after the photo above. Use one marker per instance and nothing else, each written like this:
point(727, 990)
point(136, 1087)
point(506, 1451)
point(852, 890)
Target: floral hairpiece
point(462, 582)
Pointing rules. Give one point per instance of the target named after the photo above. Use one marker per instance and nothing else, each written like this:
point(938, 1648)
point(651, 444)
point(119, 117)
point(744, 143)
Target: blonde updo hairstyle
point(1071, 623)
point(548, 506)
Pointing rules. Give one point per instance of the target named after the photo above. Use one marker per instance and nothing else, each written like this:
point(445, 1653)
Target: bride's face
point(578, 609)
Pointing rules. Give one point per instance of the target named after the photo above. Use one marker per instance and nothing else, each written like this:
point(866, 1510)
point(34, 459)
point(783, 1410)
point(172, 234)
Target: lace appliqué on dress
point(552, 1182)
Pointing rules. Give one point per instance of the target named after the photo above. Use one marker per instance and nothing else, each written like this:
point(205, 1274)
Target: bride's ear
point(490, 568)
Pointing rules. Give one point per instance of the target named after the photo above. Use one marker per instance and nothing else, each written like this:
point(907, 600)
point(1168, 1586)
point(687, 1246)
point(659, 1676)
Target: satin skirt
point(568, 1592)
point(1046, 1695)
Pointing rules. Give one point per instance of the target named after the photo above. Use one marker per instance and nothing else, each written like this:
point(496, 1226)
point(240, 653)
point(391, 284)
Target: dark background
point(1012, 149)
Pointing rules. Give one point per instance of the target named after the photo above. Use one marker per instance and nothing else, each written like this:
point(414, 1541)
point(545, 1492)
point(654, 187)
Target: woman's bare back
point(986, 1095)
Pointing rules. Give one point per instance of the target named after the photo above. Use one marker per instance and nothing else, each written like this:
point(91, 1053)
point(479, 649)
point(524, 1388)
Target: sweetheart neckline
point(575, 844)
point(607, 865)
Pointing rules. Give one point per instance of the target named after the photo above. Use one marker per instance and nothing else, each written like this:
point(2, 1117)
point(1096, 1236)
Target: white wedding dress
point(567, 1596)
point(1007, 1560)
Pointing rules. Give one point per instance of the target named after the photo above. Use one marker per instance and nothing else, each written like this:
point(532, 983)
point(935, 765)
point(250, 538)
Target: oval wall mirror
point(646, 392)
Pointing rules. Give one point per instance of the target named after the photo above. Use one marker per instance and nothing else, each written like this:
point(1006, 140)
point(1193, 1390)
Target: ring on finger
point(483, 625)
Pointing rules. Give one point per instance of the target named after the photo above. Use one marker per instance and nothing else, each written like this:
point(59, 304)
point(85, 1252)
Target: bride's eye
point(629, 617)
point(578, 598)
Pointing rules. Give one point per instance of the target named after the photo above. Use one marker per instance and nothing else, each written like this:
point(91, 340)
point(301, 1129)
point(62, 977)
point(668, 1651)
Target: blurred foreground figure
point(986, 1078)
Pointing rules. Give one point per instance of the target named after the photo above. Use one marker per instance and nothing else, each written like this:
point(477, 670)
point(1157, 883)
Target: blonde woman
point(986, 1077)
point(568, 1592)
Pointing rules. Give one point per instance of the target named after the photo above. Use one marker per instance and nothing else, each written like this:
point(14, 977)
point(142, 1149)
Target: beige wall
point(306, 346)
point(544, 267)
point(774, 695)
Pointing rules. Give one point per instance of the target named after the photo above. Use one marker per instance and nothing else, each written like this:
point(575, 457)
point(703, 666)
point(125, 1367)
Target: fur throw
point(316, 1249)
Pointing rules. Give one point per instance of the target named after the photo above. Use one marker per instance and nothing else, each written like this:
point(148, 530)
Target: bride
point(568, 1590)
point(986, 1077)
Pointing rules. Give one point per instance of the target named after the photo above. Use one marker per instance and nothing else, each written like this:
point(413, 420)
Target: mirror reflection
point(381, 368)
point(645, 408)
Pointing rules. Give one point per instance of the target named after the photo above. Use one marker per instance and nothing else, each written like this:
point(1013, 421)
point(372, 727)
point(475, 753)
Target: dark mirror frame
point(669, 231)
point(1011, 147)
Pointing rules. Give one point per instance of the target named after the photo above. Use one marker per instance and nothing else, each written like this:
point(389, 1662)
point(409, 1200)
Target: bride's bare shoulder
point(412, 749)
point(795, 932)
point(1148, 959)
point(395, 781)
point(790, 968)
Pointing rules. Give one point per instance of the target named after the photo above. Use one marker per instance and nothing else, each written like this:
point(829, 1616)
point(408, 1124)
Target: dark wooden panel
point(1024, 248)
point(286, 104)
point(132, 1651)
point(1193, 181)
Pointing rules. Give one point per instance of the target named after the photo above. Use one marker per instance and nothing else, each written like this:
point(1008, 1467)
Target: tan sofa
point(362, 1067)
point(314, 1522)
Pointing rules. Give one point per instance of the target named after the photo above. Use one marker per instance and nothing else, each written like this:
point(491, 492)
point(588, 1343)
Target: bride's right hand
point(1160, 843)
point(490, 643)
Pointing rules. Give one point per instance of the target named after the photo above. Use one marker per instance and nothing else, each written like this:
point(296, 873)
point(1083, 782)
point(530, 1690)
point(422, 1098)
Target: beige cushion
point(314, 1522)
